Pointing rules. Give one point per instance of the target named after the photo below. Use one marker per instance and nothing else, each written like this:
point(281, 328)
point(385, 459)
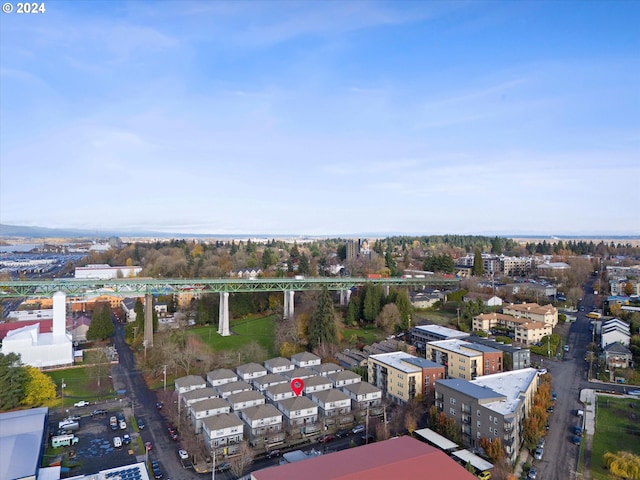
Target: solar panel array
point(132, 473)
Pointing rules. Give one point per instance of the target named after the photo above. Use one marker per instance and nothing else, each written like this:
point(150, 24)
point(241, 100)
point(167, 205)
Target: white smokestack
point(59, 314)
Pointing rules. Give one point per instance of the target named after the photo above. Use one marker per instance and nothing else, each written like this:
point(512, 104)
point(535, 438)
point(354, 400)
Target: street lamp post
point(213, 461)
point(164, 374)
point(62, 385)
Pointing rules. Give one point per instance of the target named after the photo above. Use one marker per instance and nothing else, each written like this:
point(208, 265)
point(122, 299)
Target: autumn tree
point(628, 289)
point(322, 324)
point(39, 388)
point(388, 318)
point(242, 459)
point(493, 448)
point(623, 464)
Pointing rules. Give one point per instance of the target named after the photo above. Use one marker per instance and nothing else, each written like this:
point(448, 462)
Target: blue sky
point(322, 118)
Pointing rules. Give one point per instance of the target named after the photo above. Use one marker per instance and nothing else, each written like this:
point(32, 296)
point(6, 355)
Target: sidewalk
point(525, 457)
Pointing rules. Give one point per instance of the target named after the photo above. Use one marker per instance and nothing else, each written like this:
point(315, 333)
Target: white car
point(634, 392)
point(542, 371)
point(183, 454)
point(81, 403)
point(123, 425)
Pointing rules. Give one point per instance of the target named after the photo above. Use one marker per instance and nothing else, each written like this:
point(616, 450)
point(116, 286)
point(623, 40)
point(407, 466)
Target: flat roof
point(510, 384)
point(401, 457)
point(443, 331)
point(437, 439)
point(467, 457)
point(395, 360)
point(21, 440)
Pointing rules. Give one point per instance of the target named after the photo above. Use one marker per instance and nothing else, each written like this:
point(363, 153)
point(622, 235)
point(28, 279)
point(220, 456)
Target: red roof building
point(402, 457)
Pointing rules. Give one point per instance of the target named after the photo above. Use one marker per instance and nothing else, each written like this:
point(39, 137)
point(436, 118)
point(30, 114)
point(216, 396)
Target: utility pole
point(62, 385)
point(366, 427)
point(164, 374)
point(548, 346)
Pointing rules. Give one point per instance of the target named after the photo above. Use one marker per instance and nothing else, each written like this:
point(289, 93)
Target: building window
point(452, 401)
point(478, 423)
point(478, 412)
point(452, 411)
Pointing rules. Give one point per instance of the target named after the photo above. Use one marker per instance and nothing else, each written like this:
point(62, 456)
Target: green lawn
point(614, 416)
point(368, 336)
point(78, 385)
point(438, 317)
point(244, 331)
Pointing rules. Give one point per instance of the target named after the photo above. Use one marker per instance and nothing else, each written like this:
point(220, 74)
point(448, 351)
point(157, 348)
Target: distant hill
point(20, 231)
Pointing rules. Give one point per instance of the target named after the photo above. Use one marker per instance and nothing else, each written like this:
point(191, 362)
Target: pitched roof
point(402, 457)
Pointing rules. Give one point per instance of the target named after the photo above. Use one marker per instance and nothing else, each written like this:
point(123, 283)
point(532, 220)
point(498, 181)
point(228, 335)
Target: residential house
point(343, 378)
point(615, 331)
point(494, 406)
point(300, 372)
point(188, 383)
point(250, 371)
point(188, 398)
point(263, 425)
point(316, 383)
point(325, 369)
point(364, 397)
point(233, 387)
point(206, 408)
point(305, 359)
point(224, 432)
point(279, 365)
point(300, 415)
point(335, 406)
point(487, 299)
point(280, 391)
point(262, 383)
point(220, 376)
point(246, 399)
point(616, 355)
point(77, 326)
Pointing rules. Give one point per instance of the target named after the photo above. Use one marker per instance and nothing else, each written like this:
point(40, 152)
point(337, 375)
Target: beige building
point(531, 332)
point(399, 380)
point(532, 311)
point(525, 330)
point(464, 360)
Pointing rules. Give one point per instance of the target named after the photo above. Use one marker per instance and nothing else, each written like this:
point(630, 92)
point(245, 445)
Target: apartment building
point(269, 380)
point(315, 384)
point(532, 311)
point(493, 406)
point(400, 381)
point(423, 334)
point(233, 387)
point(263, 425)
point(364, 396)
point(306, 359)
point(525, 330)
point(240, 401)
point(250, 371)
point(222, 432)
point(513, 357)
point(279, 365)
point(220, 376)
point(464, 360)
point(206, 408)
point(300, 414)
point(188, 383)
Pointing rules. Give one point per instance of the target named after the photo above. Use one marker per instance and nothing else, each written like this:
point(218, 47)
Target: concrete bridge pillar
point(223, 315)
point(345, 296)
point(289, 303)
point(148, 321)
point(386, 290)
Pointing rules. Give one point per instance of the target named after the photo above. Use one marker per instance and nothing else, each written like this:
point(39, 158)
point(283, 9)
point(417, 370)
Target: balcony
point(466, 409)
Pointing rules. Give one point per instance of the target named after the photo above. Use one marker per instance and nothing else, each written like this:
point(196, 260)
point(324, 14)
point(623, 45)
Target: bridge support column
point(386, 290)
point(288, 304)
point(223, 315)
point(148, 321)
point(345, 296)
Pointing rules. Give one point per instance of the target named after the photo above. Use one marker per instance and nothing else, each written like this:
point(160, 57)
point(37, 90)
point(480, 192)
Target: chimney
point(59, 314)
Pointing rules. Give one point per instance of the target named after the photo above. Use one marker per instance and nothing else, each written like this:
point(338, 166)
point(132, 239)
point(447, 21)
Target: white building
point(615, 331)
point(207, 408)
point(106, 272)
point(224, 429)
point(43, 349)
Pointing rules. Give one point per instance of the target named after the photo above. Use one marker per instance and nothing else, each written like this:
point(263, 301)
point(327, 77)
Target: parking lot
point(95, 449)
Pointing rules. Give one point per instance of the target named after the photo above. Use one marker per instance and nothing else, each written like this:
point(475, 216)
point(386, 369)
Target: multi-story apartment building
point(188, 383)
point(230, 388)
point(278, 392)
point(364, 397)
point(513, 358)
point(423, 334)
point(465, 360)
point(400, 381)
point(531, 332)
point(263, 425)
point(335, 406)
point(250, 371)
point(188, 398)
point(300, 415)
point(325, 369)
point(242, 400)
point(269, 380)
point(343, 378)
point(525, 330)
point(539, 313)
point(316, 384)
point(493, 406)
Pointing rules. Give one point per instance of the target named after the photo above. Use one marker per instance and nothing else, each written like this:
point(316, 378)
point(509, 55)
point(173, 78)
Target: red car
point(326, 438)
point(148, 446)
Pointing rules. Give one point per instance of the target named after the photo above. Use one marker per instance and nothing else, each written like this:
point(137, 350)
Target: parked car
point(486, 475)
point(538, 454)
point(100, 412)
point(542, 371)
point(157, 473)
point(366, 439)
point(577, 439)
point(532, 473)
point(577, 430)
point(566, 348)
point(541, 442)
point(122, 424)
point(183, 454)
point(634, 392)
point(223, 467)
point(554, 396)
point(117, 442)
point(148, 446)
point(357, 429)
point(326, 438)
point(81, 403)
point(159, 405)
point(140, 423)
point(343, 433)
point(550, 409)
point(273, 453)
point(126, 439)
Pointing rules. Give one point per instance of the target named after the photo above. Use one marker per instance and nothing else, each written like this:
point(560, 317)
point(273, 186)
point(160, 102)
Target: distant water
point(23, 247)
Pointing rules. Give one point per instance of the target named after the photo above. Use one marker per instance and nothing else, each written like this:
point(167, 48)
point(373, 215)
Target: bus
point(64, 440)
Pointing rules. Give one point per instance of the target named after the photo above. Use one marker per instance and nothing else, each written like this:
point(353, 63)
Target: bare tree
point(242, 459)
point(98, 366)
point(388, 318)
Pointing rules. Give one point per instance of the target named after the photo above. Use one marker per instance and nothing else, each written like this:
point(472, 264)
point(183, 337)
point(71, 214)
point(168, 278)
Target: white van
point(117, 442)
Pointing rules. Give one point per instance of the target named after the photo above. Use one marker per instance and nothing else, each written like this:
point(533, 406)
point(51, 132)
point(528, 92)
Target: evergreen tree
point(354, 310)
point(13, 380)
point(405, 308)
point(478, 264)
point(322, 325)
point(372, 303)
point(101, 326)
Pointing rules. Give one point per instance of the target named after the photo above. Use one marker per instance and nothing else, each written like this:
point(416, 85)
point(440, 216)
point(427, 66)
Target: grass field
point(244, 331)
point(354, 335)
point(78, 386)
point(614, 417)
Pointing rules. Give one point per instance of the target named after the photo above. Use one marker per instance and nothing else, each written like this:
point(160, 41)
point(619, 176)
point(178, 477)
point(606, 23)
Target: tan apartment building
point(525, 330)
point(464, 360)
point(532, 311)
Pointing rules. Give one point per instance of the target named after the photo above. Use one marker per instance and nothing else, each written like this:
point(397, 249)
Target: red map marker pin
point(297, 385)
